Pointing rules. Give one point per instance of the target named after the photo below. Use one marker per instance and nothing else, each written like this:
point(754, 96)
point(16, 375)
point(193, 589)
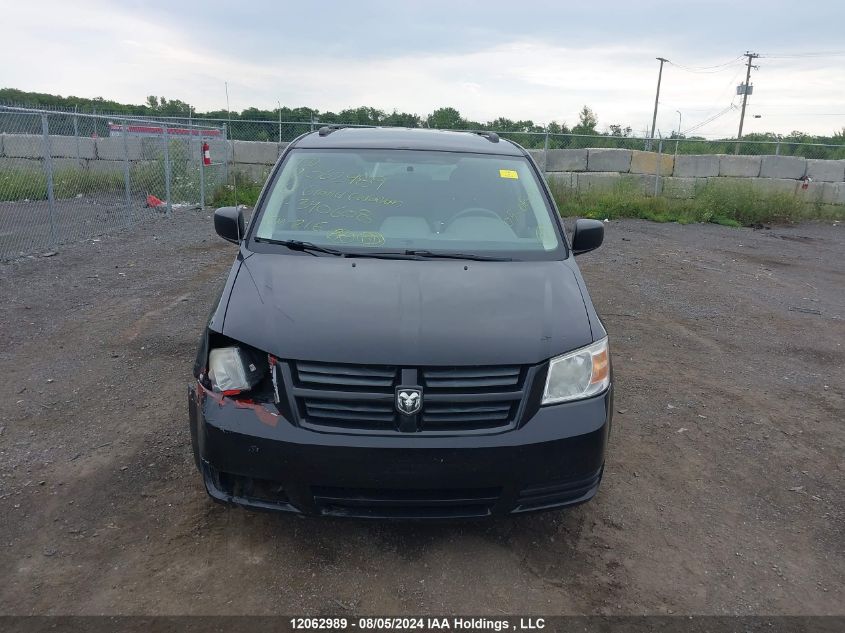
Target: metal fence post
point(546, 152)
point(167, 170)
point(76, 135)
point(777, 148)
point(126, 182)
point(48, 172)
point(229, 146)
point(659, 163)
point(202, 174)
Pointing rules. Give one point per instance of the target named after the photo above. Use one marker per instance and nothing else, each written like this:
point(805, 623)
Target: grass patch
point(728, 204)
point(29, 184)
point(245, 191)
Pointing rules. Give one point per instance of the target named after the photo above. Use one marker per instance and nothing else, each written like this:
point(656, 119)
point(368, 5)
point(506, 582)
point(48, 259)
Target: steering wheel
point(477, 211)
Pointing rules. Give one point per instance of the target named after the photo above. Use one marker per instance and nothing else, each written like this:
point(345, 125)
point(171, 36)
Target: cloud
point(356, 57)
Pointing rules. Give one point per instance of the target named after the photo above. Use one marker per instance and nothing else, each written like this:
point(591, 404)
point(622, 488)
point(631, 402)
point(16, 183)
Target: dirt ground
point(27, 226)
point(723, 492)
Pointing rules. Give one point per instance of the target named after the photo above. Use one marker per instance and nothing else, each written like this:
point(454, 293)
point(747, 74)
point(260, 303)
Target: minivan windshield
point(431, 202)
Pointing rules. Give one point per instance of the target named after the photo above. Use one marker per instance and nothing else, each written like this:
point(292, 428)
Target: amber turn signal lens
point(601, 367)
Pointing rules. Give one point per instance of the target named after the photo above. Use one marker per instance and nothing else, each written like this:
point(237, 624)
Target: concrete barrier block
point(814, 192)
point(112, 147)
point(696, 166)
point(739, 166)
point(24, 145)
point(566, 160)
point(256, 152)
point(220, 150)
point(644, 184)
point(17, 165)
point(597, 181)
point(65, 147)
point(783, 167)
point(561, 180)
point(618, 160)
point(833, 192)
point(826, 170)
point(775, 185)
point(675, 187)
point(538, 155)
point(728, 182)
point(254, 172)
point(648, 163)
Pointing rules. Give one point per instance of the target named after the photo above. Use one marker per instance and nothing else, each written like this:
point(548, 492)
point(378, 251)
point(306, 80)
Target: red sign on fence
point(137, 129)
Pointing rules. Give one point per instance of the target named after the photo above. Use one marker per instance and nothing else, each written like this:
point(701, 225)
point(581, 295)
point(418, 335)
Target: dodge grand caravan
point(404, 333)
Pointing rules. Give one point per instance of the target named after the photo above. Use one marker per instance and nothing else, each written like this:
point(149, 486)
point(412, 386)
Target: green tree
point(587, 122)
point(446, 119)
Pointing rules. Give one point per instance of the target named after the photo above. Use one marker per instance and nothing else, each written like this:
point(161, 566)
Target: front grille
point(471, 378)
point(346, 376)
point(468, 415)
point(361, 398)
point(402, 503)
point(350, 413)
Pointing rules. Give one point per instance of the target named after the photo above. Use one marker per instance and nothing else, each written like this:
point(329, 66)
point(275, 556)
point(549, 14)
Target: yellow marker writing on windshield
point(508, 173)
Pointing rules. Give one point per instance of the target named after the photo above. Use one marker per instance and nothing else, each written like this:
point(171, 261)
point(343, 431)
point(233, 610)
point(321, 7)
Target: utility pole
point(745, 90)
point(678, 136)
point(656, 99)
point(280, 120)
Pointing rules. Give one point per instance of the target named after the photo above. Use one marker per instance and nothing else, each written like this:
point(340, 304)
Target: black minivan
point(404, 333)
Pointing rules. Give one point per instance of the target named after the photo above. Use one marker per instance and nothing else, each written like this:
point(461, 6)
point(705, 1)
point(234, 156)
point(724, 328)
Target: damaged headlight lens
point(579, 374)
point(233, 370)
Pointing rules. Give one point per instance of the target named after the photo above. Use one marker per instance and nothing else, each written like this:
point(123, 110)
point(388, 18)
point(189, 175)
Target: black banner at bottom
point(424, 623)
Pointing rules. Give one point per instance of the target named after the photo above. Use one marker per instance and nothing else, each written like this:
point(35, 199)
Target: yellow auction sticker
point(508, 173)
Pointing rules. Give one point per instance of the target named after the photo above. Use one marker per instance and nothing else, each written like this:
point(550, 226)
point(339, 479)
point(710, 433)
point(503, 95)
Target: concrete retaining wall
point(683, 176)
point(793, 167)
point(566, 160)
point(256, 153)
point(826, 170)
point(618, 160)
point(739, 166)
point(595, 169)
point(691, 166)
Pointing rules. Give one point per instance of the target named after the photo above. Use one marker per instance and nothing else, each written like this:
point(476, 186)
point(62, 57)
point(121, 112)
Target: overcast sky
point(522, 60)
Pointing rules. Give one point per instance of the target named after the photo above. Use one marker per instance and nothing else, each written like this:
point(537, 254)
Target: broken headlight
point(579, 374)
point(234, 369)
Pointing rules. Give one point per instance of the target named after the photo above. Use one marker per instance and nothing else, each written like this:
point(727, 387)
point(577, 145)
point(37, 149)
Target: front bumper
point(249, 455)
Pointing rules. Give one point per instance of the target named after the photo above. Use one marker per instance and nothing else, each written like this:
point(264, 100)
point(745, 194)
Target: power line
point(802, 55)
point(701, 124)
point(717, 68)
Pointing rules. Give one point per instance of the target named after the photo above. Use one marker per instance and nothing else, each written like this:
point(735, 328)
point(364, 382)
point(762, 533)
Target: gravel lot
point(724, 491)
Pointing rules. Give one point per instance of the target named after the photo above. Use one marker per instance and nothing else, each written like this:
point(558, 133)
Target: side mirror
point(588, 236)
point(229, 224)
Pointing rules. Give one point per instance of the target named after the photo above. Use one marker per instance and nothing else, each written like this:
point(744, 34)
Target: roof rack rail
point(490, 136)
point(328, 129)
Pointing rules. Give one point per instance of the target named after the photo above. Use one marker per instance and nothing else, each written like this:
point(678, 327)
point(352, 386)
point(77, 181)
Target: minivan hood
point(406, 312)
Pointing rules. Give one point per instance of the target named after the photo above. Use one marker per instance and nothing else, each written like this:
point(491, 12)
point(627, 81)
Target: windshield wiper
point(472, 256)
point(297, 245)
point(310, 247)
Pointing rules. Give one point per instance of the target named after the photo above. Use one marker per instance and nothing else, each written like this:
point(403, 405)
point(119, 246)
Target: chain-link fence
point(286, 131)
point(66, 177)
